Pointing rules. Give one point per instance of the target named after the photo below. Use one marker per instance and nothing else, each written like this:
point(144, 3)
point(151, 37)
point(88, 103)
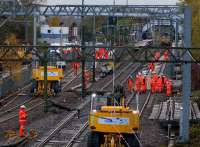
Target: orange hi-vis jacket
point(157, 55)
point(168, 88)
point(159, 84)
point(166, 56)
point(130, 84)
point(143, 83)
point(22, 116)
point(138, 83)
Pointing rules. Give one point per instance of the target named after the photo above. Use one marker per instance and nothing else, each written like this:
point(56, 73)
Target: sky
point(107, 2)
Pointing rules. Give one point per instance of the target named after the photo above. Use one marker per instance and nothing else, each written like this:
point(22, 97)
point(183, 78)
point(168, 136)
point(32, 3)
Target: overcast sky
point(107, 2)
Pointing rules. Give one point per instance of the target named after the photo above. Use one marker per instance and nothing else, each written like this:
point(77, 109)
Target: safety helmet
point(139, 73)
point(22, 106)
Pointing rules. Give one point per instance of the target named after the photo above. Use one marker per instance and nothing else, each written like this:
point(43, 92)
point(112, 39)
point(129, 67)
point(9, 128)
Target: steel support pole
point(186, 74)
point(26, 29)
point(137, 101)
point(34, 29)
point(83, 53)
point(176, 34)
point(94, 42)
point(171, 65)
point(45, 62)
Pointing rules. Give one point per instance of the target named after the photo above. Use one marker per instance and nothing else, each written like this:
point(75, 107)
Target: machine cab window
point(98, 101)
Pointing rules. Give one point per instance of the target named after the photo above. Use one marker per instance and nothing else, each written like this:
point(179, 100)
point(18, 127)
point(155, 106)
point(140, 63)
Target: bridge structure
point(12, 8)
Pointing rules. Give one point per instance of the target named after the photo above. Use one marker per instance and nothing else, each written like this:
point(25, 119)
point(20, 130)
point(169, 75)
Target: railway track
point(70, 123)
point(74, 125)
point(13, 97)
point(32, 104)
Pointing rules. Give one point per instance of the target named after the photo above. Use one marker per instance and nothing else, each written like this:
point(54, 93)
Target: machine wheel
point(131, 140)
point(94, 139)
point(111, 71)
point(56, 87)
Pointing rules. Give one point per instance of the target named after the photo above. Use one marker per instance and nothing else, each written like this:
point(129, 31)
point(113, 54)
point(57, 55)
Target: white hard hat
point(153, 72)
point(139, 73)
point(22, 106)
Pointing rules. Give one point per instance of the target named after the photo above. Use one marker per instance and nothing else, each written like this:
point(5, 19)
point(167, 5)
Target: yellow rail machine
point(54, 76)
point(112, 124)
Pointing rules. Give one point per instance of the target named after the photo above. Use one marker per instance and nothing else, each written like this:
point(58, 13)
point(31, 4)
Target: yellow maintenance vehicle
point(111, 123)
point(54, 76)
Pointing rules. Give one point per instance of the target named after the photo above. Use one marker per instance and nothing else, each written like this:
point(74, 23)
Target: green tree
point(195, 5)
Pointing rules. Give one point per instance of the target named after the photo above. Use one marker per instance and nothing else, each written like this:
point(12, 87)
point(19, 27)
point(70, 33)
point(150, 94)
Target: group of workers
point(101, 53)
point(157, 83)
point(140, 83)
point(157, 55)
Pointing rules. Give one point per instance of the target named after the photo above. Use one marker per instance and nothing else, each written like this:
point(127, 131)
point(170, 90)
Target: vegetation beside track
point(195, 128)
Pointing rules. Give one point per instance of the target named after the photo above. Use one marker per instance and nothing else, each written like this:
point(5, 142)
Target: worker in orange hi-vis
point(159, 84)
point(130, 84)
point(168, 88)
point(154, 82)
point(22, 120)
point(166, 56)
point(143, 83)
point(151, 67)
point(157, 55)
point(138, 82)
point(164, 79)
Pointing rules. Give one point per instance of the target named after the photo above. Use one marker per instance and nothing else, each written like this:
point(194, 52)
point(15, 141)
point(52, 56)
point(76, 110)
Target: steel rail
point(11, 95)
point(62, 123)
point(28, 110)
point(122, 71)
point(82, 129)
point(85, 125)
point(16, 115)
point(149, 96)
point(16, 107)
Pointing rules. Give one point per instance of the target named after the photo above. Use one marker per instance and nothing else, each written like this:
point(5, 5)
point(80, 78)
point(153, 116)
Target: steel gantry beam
point(165, 11)
point(116, 53)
